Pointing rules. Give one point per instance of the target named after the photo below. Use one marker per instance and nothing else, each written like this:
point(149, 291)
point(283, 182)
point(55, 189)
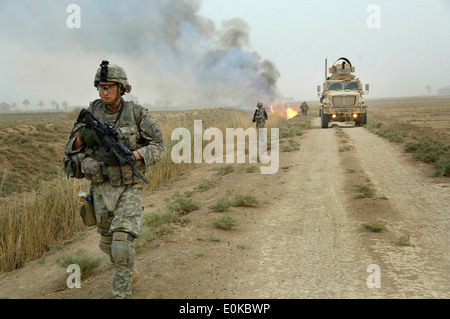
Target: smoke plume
point(170, 52)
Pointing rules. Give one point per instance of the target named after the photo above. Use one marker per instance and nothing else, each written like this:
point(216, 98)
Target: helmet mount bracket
point(104, 70)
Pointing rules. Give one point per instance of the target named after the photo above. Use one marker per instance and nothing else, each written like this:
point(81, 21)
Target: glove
point(89, 137)
point(110, 159)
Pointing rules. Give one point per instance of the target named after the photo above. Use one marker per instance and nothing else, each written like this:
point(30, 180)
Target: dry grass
point(39, 207)
point(30, 222)
point(31, 147)
point(420, 123)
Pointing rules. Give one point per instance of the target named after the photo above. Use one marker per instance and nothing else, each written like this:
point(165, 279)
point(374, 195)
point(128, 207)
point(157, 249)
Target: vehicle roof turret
point(342, 71)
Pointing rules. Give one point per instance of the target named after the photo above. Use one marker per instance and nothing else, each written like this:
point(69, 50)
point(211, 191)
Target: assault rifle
point(110, 142)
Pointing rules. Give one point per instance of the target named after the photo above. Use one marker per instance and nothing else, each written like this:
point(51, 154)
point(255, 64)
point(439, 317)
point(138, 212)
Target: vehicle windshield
point(335, 86)
point(351, 86)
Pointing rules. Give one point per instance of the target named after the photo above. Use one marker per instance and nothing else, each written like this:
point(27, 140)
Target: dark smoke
point(170, 52)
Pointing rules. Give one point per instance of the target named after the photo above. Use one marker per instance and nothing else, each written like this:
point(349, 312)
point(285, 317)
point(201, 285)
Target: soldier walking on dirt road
point(260, 115)
point(304, 108)
point(115, 189)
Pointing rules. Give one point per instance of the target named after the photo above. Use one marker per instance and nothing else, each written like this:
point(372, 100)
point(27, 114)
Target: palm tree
point(55, 105)
point(26, 103)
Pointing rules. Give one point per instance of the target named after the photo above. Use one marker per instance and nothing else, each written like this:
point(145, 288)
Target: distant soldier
point(304, 108)
point(260, 116)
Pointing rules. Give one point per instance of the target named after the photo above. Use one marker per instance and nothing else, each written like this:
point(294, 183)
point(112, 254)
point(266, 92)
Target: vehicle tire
point(325, 118)
point(364, 119)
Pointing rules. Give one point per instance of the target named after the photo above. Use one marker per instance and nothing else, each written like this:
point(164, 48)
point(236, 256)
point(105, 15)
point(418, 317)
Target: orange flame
point(290, 113)
point(281, 108)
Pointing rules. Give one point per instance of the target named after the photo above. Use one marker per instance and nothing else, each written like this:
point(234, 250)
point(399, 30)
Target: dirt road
point(305, 240)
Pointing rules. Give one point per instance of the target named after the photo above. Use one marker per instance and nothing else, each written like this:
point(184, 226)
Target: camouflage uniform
point(260, 116)
point(116, 190)
point(304, 108)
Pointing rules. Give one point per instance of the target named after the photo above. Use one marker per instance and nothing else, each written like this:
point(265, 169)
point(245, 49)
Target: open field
point(39, 204)
point(342, 200)
point(418, 116)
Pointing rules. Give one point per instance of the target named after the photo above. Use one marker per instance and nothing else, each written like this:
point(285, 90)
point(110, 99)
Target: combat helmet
point(259, 104)
point(112, 73)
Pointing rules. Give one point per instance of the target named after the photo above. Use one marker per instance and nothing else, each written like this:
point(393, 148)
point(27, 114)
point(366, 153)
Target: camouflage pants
point(260, 124)
point(118, 211)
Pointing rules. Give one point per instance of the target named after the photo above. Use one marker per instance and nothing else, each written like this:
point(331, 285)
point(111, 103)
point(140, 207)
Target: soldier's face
point(107, 91)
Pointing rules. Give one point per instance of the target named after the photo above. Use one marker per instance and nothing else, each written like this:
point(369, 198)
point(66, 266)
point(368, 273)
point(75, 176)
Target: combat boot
point(135, 277)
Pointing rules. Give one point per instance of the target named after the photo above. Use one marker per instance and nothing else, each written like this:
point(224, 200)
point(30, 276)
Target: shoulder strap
point(116, 122)
point(134, 113)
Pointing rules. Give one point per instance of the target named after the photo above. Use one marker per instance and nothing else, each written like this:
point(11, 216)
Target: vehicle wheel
point(325, 118)
point(364, 119)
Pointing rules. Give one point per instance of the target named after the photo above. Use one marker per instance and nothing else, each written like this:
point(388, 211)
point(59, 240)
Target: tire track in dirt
point(308, 247)
point(311, 241)
point(420, 208)
point(304, 241)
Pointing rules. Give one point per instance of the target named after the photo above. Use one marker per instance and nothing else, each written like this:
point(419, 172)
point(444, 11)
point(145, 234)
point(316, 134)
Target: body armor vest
point(126, 122)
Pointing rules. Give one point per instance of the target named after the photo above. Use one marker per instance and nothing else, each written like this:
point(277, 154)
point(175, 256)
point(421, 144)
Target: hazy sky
point(220, 52)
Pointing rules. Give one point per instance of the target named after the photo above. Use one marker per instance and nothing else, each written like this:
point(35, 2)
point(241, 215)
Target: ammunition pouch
point(128, 136)
point(88, 214)
point(92, 170)
point(123, 175)
point(72, 165)
point(114, 174)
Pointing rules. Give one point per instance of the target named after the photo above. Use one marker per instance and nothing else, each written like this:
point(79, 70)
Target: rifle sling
point(122, 105)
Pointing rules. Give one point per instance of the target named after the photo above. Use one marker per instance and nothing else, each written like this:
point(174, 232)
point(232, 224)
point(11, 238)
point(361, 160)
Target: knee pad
point(122, 248)
point(105, 244)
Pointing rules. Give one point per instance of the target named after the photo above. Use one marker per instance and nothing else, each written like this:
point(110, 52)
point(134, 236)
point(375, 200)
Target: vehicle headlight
point(355, 115)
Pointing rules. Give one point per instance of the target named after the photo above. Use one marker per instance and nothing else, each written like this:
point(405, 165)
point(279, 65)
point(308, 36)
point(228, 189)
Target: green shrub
point(374, 227)
point(426, 150)
point(204, 185)
point(443, 167)
point(221, 205)
point(81, 258)
point(365, 191)
point(223, 170)
point(155, 220)
point(181, 204)
point(251, 169)
point(245, 201)
point(225, 222)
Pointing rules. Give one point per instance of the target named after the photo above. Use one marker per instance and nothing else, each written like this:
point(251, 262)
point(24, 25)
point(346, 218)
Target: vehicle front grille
point(341, 100)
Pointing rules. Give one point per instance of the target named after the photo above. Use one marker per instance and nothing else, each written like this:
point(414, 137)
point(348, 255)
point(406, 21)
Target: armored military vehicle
point(341, 99)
